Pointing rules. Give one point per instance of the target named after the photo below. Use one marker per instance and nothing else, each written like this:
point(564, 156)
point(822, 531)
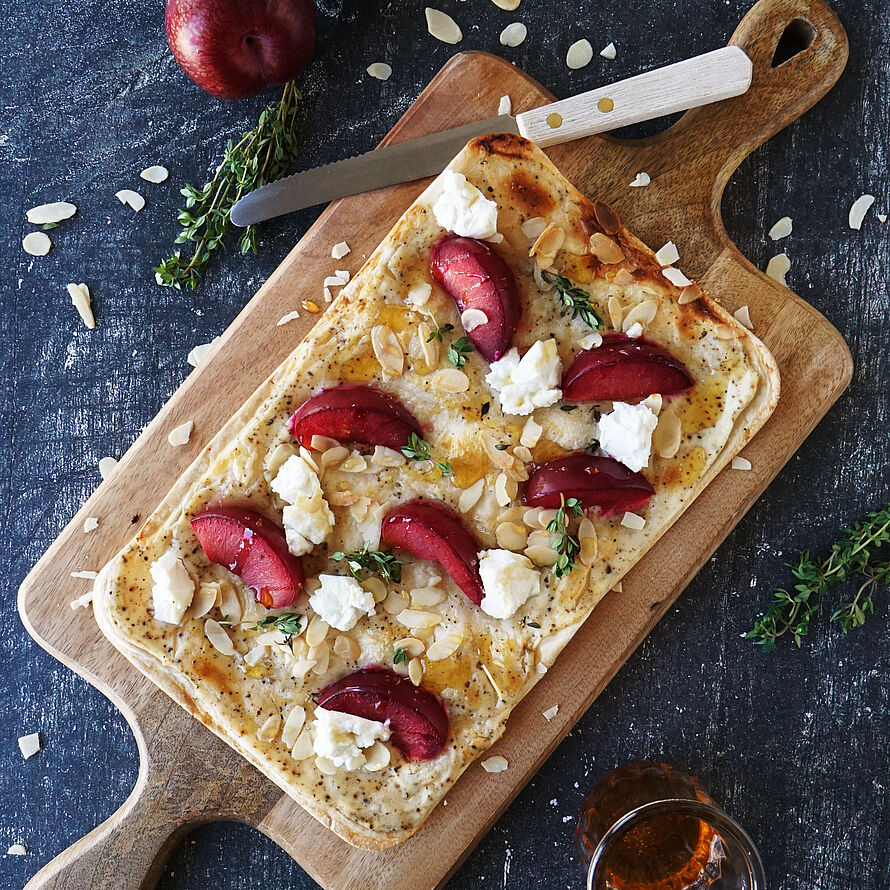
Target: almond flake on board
point(580, 53)
point(741, 463)
point(49, 214)
point(155, 174)
point(550, 713)
point(339, 250)
point(514, 34)
point(90, 524)
point(860, 207)
point(778, 267)
point(88, 576)
point(80, 299)
point(609, 51)
point(198, 353)
point(441, 26)
point(781, 229)
point(132, 199)
point(505, 106)
point(17, 850)
point(289, 317)
point(743, 316)
point(380, 71)
point(84, 601)
point(509, 5)
point(106, 467)
point(387, 350)
point(181, 434)
point(667, 255)
point(495, 764)
point(675, 276)
point(30, 744)
point(641, 180)
point(37, 243)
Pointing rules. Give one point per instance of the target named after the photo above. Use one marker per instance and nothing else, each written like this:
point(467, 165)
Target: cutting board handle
point(798, 49)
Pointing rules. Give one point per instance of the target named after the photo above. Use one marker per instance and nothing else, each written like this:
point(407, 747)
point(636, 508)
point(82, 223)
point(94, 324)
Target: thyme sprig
point(262, 155)
point(400, 656)
point(575, 298)
point(378, 562)
point(419, 449)
point(566, 546)
point(792, 610)
point(458, 352)
point(439, 333)
point(289, 623)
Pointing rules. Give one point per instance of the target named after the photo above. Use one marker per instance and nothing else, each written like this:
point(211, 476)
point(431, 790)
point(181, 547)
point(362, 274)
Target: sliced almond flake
point(511, 536)
point(347, 647)
point(17, 850)
point(376, 757)
point(667, 435)
point(80, 299)
point(509, 5)
point(741, 463)
point(343, 275)
point(387, 457)
point(514, 34)
point(533, 228)
point(219, 639)
point(633, 520)
point(675, 276)
point(395, 602)
point(417, 618)
point(743, 316)
point(181, 434)
point(589, 542)
point(860, 207)
point(643, 314)
point(778, 267)
point(285, 319)
point(37, 243)
point(106, 467)
point(415, 671)
point(411, 645)
point(445, 645)
point(472, 319)
point(605, 249)
point(419, 294)
point(615, 312)
point(90, 524)
point(782, 229)
point(425, 597)
point(83, 601)
point(580, 53)
point(48, 214)
point(641, 180)
point(505, 489)
point(441, 26)
point(30, 744)
point(204, 599)
point(591, 340)
point(293, 726)
point(634, 331)
point(618, 587)
point(355, 463)
point(667, 255)
point(269, 730)
point(132, 199)
point(87, 576)
point(199, 353)
point(255, 655)
point(549, 243)
point(380, 71)
point(505, 106)
point(609, 51)
point(623, 277)
point(302, 747)
point(550, 713)
point(317, 631)
point(339, 250)
point(155, 174)
point(531, 433)
point(542, 555)
point(470, 496)
point(325, 766)
point(387, 350)
point(450, 380)
point(495, 764)
point(689, 294)
point(882, 217)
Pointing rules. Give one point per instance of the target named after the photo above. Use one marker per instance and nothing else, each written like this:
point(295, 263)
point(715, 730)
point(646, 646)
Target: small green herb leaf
point(439, 333)
point(378, 562)
point(289, 623)
point(400, 656)
point(575, 298)
point(418, 449)
point(458, 352)
point(566, 546)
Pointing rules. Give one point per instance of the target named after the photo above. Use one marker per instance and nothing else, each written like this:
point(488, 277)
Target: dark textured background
point(795, 744)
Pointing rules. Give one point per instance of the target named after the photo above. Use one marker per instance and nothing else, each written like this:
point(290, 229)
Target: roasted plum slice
point(433, 531)
point(354, 413)
point(624, 369)
point(253, 547)
point(597, 482)
point(475, 277)
point(417, 718)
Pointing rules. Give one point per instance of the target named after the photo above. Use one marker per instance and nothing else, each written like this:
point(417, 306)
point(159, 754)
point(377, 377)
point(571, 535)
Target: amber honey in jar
point(651, 826)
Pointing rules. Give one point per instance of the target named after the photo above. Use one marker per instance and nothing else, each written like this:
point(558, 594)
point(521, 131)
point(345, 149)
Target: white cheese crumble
point(463, 209)
point(173, 588)
point(341, 601)
point(29, 744)
point(340, 737)
point(508, 580)
point(633, 520)
point(625, 433)
point(635, 330)
point(526, 383)
point(308, 519)
point(90, 524)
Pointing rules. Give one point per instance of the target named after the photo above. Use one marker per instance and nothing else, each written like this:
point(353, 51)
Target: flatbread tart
point(382, 552)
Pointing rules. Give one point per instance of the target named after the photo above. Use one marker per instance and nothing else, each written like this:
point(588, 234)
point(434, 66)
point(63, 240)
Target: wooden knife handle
point(707, 78)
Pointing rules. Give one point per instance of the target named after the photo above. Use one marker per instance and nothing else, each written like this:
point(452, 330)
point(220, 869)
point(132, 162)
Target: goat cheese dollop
point(463, 209)
point(340, 737)
point(173, 588)
point(341, 601)
point(526, 383)
point(508, 580)
point(308, 519)
point(625, 433)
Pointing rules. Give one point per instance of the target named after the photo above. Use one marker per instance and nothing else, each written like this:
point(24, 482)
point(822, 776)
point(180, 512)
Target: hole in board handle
point(797, 36)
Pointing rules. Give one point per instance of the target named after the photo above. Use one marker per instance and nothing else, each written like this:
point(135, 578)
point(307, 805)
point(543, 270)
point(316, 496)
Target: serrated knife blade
point(700, 80)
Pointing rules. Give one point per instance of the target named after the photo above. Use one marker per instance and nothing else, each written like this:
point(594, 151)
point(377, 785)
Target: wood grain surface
point(690, 165)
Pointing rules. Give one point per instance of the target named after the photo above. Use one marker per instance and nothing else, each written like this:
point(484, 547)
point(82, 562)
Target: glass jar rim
point(707, 812)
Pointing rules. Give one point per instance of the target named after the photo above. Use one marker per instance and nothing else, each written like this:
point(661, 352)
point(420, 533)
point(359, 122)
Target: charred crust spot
point(530, 195)
point(505, 144)
point(606, 217)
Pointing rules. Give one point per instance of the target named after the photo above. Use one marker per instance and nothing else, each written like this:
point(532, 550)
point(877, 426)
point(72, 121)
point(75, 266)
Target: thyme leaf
point(378, 562)
point(575, 298)
point(566, 546)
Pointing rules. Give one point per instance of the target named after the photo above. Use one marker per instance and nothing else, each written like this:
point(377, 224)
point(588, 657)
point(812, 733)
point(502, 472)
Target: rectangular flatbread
point(256, 679)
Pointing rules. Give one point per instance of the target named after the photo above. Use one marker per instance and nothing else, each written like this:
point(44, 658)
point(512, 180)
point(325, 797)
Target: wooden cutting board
point(188, 775)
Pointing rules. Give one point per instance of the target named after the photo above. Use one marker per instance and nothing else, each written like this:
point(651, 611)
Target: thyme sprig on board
point(566, 546)
point(575, 298)
point(262, 155)
point(852, 556)
point(378, 562)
